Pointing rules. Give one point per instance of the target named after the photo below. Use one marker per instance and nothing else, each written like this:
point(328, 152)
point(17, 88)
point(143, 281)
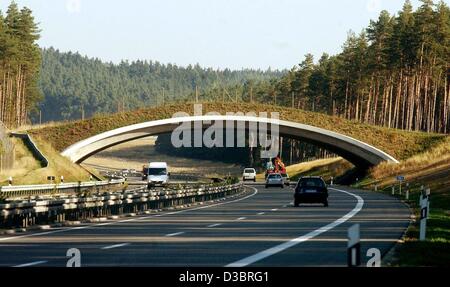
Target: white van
point(249, 174)
point(157, 174)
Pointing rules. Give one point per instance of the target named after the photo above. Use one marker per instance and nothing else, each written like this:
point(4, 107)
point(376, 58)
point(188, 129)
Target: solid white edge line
point(114, 246)
point(283, 246)
point(126, 220)
point(31, 264)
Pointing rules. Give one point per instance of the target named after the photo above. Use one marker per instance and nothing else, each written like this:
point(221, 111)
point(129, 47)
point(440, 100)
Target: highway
point(258, 228)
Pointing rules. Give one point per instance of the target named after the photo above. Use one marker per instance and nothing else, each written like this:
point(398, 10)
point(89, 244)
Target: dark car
point(311, 189)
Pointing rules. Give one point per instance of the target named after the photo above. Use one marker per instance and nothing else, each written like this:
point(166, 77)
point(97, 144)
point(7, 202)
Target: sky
point(233, 34)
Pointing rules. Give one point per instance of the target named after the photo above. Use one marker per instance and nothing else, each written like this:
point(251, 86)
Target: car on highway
point(311, 189)
point(274, 179)
point(249, 174)
point(125, 172)
point(157, 174)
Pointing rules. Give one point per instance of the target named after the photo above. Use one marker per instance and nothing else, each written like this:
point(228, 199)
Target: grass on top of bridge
point(398, 143)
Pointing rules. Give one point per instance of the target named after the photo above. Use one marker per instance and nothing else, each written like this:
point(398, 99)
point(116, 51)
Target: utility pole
point(293, 100)
point(251, 94)
point(40, 117)
point(82, 112)
point(123, 104)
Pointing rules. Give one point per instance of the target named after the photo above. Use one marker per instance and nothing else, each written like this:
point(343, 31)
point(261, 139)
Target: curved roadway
point(259, 228)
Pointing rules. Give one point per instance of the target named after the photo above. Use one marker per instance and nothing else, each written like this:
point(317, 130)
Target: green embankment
point(27, 170)
point(400, 144)
point(432, 170)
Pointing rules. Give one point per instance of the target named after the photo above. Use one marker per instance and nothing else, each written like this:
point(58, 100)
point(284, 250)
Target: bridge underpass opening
point(359, 153)
point(193, 163)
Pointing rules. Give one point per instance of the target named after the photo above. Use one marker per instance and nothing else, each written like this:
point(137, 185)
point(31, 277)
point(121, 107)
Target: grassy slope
point(327, 168)
point(400, 144)
point(431, 169)
point(27, 170)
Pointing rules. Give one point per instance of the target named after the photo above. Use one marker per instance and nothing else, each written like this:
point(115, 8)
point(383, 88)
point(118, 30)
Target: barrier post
point(353, 246)
point(424, 211)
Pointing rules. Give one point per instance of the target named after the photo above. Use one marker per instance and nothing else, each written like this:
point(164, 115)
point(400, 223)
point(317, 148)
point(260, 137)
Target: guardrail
point(33, 147)
point(70, 208)
point(14, 191)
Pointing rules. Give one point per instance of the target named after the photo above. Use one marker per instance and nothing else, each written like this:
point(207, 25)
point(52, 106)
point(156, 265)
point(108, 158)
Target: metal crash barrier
point(22, 214)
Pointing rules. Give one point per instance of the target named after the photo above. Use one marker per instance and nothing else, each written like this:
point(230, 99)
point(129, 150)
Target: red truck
point(276, 165)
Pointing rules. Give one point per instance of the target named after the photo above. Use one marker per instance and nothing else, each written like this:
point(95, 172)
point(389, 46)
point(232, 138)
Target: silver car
point(274, 179)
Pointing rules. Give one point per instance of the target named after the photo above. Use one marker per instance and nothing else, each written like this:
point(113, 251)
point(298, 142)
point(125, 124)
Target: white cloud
point(373, 6)
point(73, 6)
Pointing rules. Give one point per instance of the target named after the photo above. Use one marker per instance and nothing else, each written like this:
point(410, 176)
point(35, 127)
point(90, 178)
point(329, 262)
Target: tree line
point(19, 65)
point(76, 86)
point(395, 73)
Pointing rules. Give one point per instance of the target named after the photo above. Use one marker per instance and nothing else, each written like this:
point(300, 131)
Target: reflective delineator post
point(393, 190)
point(353, 246)
point(424, 211)
point(62, 179)
point(407, 191)
point(10, 180)
point(331, 182)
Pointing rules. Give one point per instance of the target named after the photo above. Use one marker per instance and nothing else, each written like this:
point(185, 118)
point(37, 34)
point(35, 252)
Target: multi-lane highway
point(260, 228)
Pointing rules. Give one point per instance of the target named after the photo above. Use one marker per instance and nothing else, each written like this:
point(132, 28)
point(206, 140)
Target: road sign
point(400, 178)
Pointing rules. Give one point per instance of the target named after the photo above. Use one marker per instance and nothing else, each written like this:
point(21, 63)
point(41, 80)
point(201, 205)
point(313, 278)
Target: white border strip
point(281, 247)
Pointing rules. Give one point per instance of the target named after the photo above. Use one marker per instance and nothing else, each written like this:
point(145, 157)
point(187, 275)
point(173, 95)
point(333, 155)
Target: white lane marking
point(241, 218)
point(114, 246)
point(261, 213)
point(126, 220)
point(174, 234)
point(283, 246)
point(31, 264)
point(275, 209)
point(214, 225)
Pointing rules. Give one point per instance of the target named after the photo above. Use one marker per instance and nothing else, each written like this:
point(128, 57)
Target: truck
point(276, 165)
point(156, 173)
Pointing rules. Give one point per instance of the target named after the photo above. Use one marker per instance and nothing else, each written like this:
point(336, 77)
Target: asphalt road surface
point(260, 228)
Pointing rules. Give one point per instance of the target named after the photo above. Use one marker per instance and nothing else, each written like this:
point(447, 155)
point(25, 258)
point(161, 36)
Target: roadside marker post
point(393, 190)
point(10, 181)
point(331, 183)
point(353, 246)
point(62, 179)
point(376, 187)
point(407, 191)
point(424, 212)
